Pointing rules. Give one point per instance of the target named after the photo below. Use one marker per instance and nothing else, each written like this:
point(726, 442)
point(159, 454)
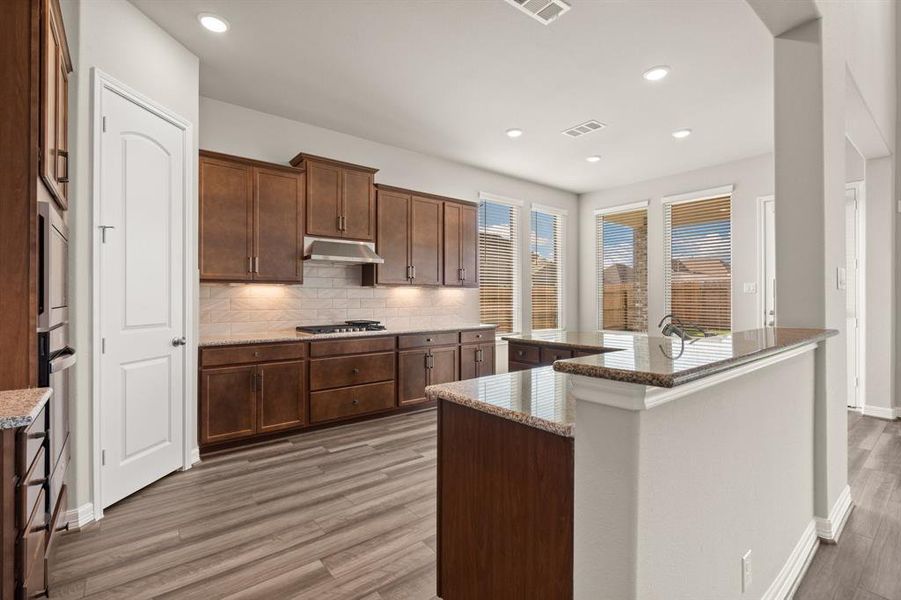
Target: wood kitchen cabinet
point(476, 360)
point(54, 101)
point(460, 245)
point(340, 198)
point(417, 369)
point(251, 220)
point(239, 401)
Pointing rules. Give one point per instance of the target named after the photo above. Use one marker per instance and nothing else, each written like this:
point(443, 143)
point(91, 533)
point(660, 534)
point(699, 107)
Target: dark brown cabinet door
point(453, 268)
point(281, 391)
point(412, 376)
point(358, 212)
point(226, 220)
point(228, 404)
point(445, 365)
point(469, 245)
point(394, 237)
point(54, 163)
point(278, 225)
point(425, 240)
point(324, 199)
point(469, 365)
point(486, 360)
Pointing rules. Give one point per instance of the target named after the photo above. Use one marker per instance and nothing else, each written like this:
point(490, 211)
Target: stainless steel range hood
point(332, 251)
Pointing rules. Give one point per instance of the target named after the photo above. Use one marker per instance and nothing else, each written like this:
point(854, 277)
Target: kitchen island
point(684, 459)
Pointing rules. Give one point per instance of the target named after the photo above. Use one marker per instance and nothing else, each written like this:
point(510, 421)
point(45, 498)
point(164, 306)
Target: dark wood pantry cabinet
point(340, 198)
point(251, 220)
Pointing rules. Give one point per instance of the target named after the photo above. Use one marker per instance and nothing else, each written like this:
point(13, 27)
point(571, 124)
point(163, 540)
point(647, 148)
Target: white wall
point(244, 132)
point(752, 178)
point(117, 38)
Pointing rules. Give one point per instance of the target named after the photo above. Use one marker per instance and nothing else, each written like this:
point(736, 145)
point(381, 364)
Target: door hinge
point(103, 458)
point(103, 124)
point(102, 345)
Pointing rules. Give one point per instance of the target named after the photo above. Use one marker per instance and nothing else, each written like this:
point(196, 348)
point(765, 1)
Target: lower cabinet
point(476, 360)
point(244, 401)
point(418, 369)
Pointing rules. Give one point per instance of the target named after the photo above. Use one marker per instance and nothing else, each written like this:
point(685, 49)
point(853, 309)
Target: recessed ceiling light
point(681, 133)
point(514, 133)
point(593, 159)
point(656, 73)
point(213, 23)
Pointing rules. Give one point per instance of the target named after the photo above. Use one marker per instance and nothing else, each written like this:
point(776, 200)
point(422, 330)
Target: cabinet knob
point(354, 401)
point(355, 371)
point(428, 339)
point(478, 335)
point(256, 353)
point(520, 352)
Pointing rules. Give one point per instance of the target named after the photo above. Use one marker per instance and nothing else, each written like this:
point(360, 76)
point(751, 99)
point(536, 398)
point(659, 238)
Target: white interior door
point(852, 262)
point(768, 287)
point(141, 394)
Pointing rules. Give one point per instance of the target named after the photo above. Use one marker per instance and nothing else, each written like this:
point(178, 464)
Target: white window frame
point(685, 198)
point(561, 261)
point(518, 206)
point(599, 212)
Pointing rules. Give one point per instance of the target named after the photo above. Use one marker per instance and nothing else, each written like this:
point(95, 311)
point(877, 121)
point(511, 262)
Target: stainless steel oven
point(53, 268)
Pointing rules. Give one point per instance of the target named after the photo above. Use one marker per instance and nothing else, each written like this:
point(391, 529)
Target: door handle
point(103, 229)
point(179, 341)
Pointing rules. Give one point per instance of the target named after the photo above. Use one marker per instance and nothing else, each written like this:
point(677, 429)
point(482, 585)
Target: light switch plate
point(750, 288)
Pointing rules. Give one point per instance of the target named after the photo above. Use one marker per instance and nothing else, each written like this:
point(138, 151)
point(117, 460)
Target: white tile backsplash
point(330, 295)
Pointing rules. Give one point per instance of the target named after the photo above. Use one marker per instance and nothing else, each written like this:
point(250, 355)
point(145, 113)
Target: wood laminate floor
point(349, 513)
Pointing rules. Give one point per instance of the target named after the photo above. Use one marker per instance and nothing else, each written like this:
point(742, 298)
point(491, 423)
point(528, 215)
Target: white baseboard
point(789, 578)
point(829, 529)
point(880, 412)
point(195, 456)
point(81, 516)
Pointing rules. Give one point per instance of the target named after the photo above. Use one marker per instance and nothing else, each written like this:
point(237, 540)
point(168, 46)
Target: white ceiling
point(448, 78)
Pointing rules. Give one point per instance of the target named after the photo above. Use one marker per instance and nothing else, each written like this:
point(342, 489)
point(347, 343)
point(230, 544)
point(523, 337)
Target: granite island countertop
point(19, 408)
point(290, 335)
point(663, 362)
point(537, 397)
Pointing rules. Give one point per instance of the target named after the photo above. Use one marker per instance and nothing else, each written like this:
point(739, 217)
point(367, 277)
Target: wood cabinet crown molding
point(399, 190)
point(252, 162)
point(302, 158)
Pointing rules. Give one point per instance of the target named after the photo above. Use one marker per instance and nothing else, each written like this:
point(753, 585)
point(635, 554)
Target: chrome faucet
point(680, 328)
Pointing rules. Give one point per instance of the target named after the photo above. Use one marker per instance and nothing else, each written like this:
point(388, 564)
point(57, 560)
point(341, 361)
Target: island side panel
point(505, 508)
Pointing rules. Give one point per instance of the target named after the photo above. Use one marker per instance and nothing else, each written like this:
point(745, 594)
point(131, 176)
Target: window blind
point(546, 255)
point(698, 262)
point(499, 265)
point(622, 270)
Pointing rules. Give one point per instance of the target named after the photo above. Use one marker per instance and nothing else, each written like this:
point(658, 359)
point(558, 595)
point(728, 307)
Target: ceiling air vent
point(583, 128)
point(543, 11)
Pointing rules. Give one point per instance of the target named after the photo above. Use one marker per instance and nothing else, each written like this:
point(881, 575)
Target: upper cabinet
point(460, 245)
point(54, 114)
point(251, 220)
point(340, 198)
point(424, 240)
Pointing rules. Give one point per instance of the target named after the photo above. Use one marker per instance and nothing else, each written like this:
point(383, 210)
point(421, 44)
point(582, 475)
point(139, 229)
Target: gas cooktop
point(347, 326)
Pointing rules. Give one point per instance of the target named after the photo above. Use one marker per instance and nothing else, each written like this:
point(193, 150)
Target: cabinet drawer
point(518, 366)
point(477, 337)
point(355, 346)
point(427, 340)
point(549, 355)
point(231, 355)
point(58, 475)
point(580, 353)
point(348, 402)
point(525, 354)
point(351, 370)
point(31, 440)
point(31, 487)
point(33, 545)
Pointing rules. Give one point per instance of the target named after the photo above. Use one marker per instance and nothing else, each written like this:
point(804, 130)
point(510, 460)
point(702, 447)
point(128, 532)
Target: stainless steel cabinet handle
point(250, 264)
point(64, 154)
point(463, 277)
point(338, 222)
point(256, 264)
point(413, 270)
point(179, 341)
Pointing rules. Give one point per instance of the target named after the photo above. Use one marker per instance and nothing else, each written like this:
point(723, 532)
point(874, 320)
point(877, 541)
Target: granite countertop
point(537, 397)
point(19, 408)
point(660, 362)
point(290, 335)
point(603, 341)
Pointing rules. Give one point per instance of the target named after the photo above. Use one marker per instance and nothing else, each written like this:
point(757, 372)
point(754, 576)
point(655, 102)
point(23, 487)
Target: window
point(621, 241)
point(698, 265)
point(499, 264)
point(546, 256)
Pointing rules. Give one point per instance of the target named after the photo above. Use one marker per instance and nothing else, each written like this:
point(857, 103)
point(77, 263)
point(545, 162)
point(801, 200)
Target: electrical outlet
point(746, 571)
